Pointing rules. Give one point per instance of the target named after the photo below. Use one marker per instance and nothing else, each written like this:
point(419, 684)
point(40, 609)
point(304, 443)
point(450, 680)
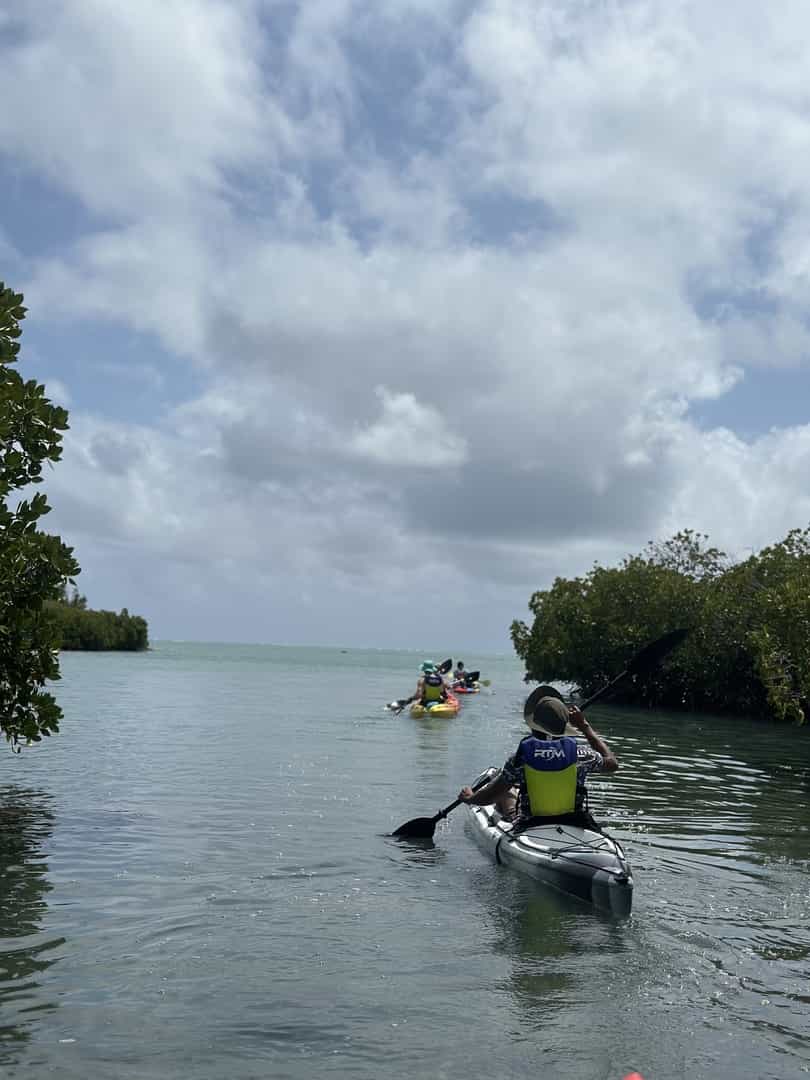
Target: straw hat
point(547, 715)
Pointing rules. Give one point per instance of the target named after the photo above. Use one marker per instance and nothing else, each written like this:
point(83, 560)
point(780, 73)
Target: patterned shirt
point(588, 761)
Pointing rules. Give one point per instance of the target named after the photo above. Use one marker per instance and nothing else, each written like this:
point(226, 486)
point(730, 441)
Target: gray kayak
point(568, 858)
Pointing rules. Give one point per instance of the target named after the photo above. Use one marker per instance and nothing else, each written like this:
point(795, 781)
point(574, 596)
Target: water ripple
point(196, 878)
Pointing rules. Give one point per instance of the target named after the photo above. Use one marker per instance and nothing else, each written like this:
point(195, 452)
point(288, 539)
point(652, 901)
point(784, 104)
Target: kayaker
point(431, 687)
point(461, 678)
point(544, 780)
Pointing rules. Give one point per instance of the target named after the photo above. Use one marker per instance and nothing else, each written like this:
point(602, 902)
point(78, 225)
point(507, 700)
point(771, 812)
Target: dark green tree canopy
point(34, 566)
point(748, 650)
point(79, 627)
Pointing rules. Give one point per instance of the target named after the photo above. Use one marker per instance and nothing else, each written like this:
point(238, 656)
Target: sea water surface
point(196, 881)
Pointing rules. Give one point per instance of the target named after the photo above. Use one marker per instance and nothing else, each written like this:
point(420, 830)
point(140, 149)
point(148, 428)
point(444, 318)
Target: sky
point(374, 318)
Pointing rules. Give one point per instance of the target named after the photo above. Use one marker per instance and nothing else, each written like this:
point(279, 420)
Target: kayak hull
point(570, 859)
point(476, 689)
point(441, 708)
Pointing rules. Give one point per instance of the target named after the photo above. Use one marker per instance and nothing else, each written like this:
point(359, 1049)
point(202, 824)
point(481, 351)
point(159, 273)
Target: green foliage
point(748, 650)
point(34, 566)
point(80, 628)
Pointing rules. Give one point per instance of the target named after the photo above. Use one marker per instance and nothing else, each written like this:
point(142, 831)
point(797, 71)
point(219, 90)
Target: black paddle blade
point(445, 667)
point(651, 655)
point(421, 828)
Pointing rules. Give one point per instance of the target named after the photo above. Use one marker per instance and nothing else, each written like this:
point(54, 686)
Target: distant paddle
point(399, 704)
point(642, 663)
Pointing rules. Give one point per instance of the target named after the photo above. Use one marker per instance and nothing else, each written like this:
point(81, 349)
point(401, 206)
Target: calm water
point(195, 881)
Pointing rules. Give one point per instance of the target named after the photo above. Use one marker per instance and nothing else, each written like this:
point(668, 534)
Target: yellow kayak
point(441, 708)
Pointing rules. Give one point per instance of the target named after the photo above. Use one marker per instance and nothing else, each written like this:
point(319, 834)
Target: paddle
point(642, 663)
point(397, 706)
point(475, 676)
point(423, 828)
point(466, 678)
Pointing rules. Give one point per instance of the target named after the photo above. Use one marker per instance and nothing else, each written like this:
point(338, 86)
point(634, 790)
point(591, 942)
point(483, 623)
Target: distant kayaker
point(545, 779)
point(461, 680)
point(430, 688)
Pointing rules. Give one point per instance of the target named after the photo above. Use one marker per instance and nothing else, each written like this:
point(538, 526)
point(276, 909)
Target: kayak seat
point(582, 818)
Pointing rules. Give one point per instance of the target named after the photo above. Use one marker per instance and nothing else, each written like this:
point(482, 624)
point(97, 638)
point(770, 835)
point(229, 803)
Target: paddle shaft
point(443, 813)
point(605, 690)
point(423, 828)
point(644, 661)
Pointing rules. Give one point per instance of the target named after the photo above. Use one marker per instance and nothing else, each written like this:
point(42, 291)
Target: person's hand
point(576, 718)
point(466, 793)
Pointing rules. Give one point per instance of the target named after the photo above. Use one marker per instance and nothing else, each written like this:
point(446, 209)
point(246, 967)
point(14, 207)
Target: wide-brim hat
point(545, 713)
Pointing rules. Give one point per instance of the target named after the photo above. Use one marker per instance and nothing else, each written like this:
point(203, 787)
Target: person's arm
point(578, 720)
point(487, 794)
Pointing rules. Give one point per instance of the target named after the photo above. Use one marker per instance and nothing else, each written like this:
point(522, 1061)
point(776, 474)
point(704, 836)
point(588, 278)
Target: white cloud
point(138, 108)
point(409, 433)
point(748, 493)
point(543, 231)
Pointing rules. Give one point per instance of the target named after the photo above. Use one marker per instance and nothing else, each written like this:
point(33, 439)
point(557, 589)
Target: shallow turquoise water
point(195, 880)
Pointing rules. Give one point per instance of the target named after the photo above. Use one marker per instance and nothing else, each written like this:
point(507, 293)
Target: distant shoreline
point(104, 649)
point(82, 629)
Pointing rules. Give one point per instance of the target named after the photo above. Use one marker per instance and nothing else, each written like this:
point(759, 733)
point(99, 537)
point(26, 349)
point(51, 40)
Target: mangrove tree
point(750, 627)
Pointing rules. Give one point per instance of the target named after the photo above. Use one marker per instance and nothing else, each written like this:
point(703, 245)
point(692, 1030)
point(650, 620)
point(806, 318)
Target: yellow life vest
point(550, 772)
point(432, 688)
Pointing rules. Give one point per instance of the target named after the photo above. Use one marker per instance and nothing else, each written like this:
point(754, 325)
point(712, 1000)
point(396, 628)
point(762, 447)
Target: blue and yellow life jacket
point(432, 687)
point(550, 771)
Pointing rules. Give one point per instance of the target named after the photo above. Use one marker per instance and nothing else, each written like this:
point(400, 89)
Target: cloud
point(136, 109)
point(454, 276)
point(409, 433)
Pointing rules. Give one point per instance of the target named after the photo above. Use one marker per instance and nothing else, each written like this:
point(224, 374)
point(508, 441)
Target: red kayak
point(474, 689)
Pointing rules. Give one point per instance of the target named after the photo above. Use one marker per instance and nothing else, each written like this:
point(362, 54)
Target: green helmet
point(427, 667)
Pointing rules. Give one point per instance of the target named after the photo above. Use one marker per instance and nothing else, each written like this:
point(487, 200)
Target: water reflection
point(545, 937)
point(416, 852)
point(25, 822)
point(432, 733)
